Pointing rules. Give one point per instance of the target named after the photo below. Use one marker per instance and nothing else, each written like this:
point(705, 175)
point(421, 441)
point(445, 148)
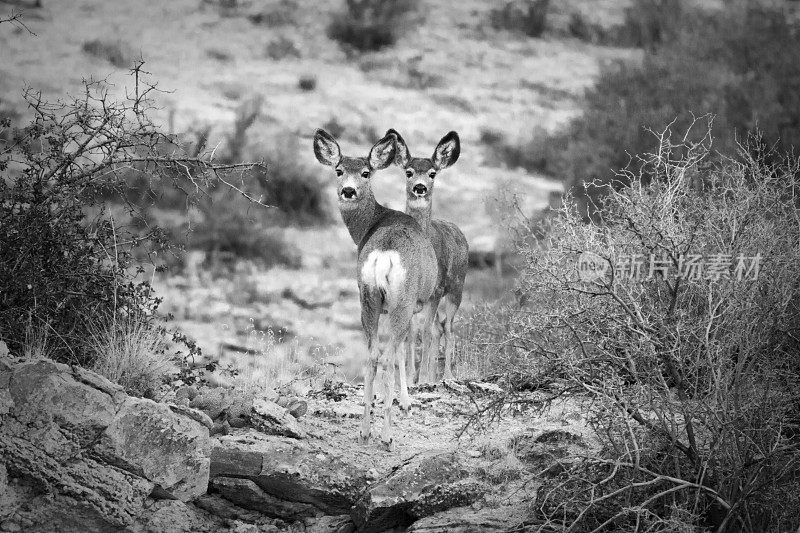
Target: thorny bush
point(692, 381)
point(67, 252)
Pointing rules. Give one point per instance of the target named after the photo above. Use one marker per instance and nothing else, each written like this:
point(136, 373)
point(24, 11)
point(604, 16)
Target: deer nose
point(348, 192)
point(419, 189)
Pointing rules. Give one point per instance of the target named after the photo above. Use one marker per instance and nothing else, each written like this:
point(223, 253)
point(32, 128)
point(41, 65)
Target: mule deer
point(396, 267)
point(449, 244)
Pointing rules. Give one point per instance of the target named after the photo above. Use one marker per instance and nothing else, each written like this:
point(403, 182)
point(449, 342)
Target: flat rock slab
point(422, 487)
point(305, 472)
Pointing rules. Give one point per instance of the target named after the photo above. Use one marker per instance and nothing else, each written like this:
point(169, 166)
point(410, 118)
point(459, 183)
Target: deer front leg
point(430, 353)
point(450, 308)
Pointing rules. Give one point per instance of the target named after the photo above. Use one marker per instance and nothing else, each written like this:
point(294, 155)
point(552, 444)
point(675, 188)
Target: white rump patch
point(383, 269)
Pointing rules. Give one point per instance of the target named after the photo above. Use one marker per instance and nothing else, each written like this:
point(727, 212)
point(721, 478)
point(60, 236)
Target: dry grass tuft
point(131, 351)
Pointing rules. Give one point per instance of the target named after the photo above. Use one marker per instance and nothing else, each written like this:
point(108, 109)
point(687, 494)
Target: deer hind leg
point(370, 313)
point(405, 400)
point(400, 327)
point(451, 305)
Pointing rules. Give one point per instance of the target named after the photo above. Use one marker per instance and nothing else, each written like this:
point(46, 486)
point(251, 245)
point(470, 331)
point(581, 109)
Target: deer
point(396, 269)
point(451, 249)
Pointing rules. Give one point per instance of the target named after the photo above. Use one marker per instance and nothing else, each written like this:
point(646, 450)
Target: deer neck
point(421, 212)
point(361, 217)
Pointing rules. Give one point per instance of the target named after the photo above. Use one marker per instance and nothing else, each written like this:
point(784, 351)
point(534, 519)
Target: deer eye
point(432, 174)
point(339, 171)
point(365, 174)
point(409, 173)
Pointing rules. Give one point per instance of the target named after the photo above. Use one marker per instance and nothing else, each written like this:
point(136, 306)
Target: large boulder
point(81, 455)
point(284, 477)
point(422, 487)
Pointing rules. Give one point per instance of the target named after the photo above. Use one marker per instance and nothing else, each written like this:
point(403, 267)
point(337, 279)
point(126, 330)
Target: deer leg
point(405, 401)
point(370, 313)
point(387, 374)
point(400, 326)
point(450, 308)
point(411, 351)
point(428, 363)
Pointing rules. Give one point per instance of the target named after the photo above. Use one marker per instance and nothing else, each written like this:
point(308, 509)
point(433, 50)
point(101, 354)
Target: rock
point(219, 506)
point(222, 403)
point(10, 526)
point(461, 522)
point(547, 449)
point(161, 446)
point(272, 419)
point(245, 493)
point(490, 388)
point(229, 408)
point(427, 397)
point(456, 387)
point(332, 524)
point(292, 470)
point(194, 414)
point(422, 487)
point(173, 516)
point(187, 392)
point(83, 456)
point(294, 405)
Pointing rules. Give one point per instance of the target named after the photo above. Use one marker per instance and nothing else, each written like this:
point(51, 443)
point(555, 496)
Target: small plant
point(524, 16)
point(367, 25)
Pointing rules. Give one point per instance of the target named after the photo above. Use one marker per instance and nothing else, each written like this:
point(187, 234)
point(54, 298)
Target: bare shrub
point(66, 258)
point(525, 16)
point(366, 25)
point(691, 383)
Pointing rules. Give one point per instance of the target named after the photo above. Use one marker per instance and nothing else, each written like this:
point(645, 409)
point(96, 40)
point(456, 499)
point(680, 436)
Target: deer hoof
point(389, 445)
point(363, 439)
point(406, 411)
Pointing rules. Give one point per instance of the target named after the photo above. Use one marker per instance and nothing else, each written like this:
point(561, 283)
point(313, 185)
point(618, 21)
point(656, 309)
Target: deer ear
point(447, 151)
point(326, 148)
point(382, 154)
point(402, 156)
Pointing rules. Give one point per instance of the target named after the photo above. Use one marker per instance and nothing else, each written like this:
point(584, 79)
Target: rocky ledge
point(78, 454)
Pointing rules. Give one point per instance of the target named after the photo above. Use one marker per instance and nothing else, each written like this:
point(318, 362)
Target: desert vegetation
point(74, 245)
point(696, 60)
point(690, 376)
point(183, 244)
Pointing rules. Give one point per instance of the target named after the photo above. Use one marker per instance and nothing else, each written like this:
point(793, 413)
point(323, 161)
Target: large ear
point(326, 148)
point(382, 154)
point(447, 151)
point(402, 156)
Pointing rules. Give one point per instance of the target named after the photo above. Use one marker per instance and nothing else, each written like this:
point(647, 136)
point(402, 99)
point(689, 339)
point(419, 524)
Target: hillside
point(450, 69)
